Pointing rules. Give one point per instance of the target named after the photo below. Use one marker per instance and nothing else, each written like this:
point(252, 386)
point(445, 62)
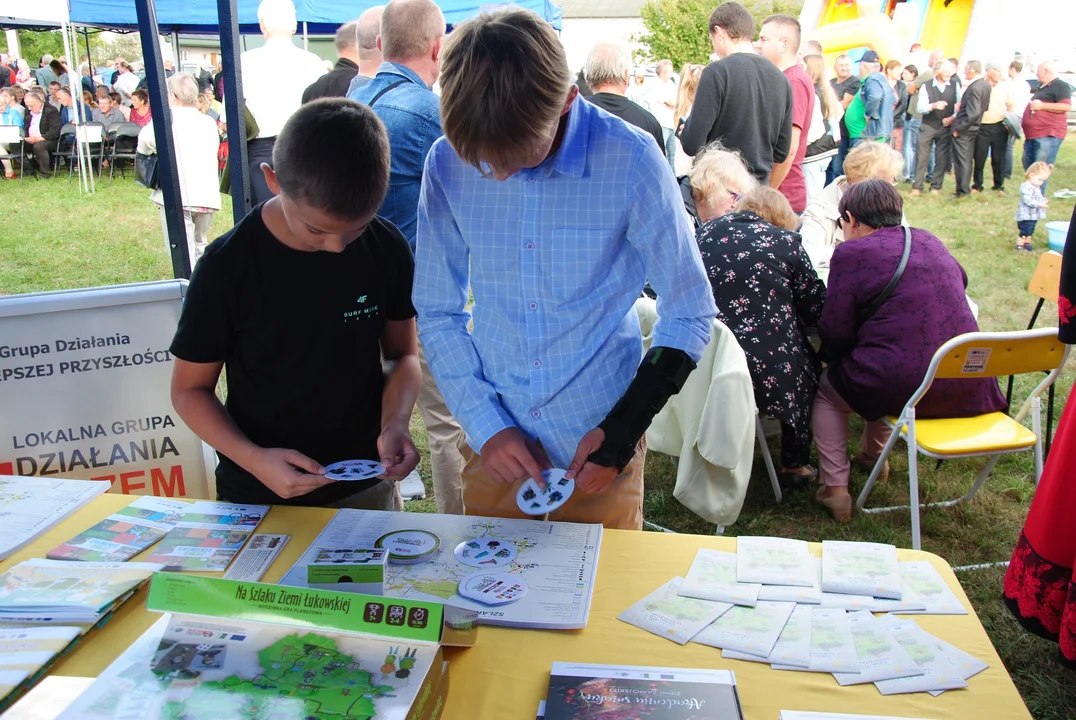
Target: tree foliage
point(103, 46)
point(679, 29)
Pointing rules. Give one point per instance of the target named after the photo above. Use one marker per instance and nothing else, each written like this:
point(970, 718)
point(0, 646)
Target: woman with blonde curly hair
point(821, 229)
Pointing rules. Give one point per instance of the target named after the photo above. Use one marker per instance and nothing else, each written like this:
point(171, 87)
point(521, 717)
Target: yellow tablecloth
point(506, 674)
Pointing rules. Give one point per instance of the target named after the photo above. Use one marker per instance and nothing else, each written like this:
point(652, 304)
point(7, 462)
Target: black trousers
point(259, 150)
point(941, 139)
point(993, 139)
point(963, 159)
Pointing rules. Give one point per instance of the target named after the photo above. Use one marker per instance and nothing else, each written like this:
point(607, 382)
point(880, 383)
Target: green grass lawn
point(54, 238)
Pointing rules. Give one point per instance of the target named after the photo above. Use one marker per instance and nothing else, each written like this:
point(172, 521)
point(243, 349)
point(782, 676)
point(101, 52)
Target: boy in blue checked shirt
point(554, 213)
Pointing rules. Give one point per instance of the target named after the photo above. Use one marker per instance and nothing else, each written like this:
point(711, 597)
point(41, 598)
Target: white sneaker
point(412, 488)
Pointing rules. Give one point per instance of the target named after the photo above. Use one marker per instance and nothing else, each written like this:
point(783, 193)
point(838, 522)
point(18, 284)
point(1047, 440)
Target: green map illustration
point(301, 677)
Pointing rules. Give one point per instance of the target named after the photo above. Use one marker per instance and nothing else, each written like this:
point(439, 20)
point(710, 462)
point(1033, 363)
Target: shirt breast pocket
point(581, 260)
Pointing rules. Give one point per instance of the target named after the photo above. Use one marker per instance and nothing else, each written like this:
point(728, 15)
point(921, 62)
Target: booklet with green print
point(880, 656)
point(833, 648)
point(940, 667)
point(860, 568)
point(793, 647)
point(804, 595)
point(663, 612)
point(752, 630)
point(124, 533)
point(774, 561)
point(931, 590)
point(712, 576)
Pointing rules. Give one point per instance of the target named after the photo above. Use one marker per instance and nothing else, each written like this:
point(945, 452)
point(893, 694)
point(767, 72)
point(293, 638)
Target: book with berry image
point(623, 692)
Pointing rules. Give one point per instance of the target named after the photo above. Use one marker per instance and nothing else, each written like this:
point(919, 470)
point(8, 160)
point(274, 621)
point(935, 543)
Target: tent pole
point(306, 40)
point(162, 132)
point(233, 107)
point(76, 99)
point(177, 61)
point(89, 58)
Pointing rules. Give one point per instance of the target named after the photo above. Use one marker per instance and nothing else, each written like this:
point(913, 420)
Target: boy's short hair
point(874, 203)
point(734, 19)
point(770, 205)
point(504, 83)
point(1016, 65)
point(333, 154)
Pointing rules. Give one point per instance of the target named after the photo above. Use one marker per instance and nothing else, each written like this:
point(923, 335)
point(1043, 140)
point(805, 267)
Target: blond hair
point(718, 171)
point(1037, 169)
point(872, 159)
point(770, 205)
point(689, 85)
point(504, 85)
point(819, 74)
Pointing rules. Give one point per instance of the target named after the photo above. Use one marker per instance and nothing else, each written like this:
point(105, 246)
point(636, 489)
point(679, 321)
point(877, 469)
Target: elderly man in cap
point(876, 95)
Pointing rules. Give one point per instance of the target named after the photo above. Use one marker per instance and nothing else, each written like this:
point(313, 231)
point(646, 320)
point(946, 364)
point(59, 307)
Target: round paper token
point(409, 547)
point(534, 500)
point(485, 552)
point(354, 470)
point(493, 588)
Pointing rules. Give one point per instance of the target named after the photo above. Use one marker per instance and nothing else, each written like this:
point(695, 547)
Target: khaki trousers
point(445, 438)
point(619, 507)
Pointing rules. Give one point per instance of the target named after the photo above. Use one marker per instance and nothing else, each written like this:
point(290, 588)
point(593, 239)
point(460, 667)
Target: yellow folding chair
point(973, 355)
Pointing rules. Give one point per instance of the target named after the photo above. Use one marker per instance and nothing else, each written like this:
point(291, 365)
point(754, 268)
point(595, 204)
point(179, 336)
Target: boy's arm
point(659, 230)
point(442, 280)
point(399, 345)
point(288, 473)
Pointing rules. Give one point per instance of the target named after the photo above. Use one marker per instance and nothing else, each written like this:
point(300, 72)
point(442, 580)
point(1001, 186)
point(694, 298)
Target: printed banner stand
point(84, 383)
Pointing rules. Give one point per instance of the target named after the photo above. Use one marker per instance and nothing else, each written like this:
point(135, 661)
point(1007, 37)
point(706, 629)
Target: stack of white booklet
point(773, 602)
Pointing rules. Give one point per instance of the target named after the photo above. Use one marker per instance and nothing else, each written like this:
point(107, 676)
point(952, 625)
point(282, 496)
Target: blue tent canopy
point(321, 16)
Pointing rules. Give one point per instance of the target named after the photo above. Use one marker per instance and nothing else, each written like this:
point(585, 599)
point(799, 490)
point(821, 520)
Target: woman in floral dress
point(1039, 586)
point(767, 294)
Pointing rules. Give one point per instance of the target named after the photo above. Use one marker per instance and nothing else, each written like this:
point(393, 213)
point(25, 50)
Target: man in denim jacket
point(412, 36)
point(878, 99)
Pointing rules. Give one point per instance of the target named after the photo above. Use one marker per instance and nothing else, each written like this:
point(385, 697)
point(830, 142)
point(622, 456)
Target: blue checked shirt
point(556, 256)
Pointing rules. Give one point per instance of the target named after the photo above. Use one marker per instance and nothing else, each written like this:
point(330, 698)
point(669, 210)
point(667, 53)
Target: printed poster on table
point(84, 382)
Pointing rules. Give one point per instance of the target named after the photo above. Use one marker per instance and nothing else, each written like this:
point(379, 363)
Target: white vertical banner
point(84, 390)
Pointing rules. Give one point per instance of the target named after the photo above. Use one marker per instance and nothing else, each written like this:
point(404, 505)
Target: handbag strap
point(893, 281)
point(384, 90)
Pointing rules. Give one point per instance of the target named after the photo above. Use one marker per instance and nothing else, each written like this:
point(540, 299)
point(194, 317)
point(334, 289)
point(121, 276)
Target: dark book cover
point(611, 692)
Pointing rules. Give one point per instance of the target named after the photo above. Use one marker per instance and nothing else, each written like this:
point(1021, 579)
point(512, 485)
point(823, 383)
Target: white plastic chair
point(760, 434)
point(973, 355)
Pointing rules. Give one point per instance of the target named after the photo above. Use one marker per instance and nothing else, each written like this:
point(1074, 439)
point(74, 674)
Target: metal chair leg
point(913, 484)
point(878, 465)
point(1036, 425)
point(760, 434)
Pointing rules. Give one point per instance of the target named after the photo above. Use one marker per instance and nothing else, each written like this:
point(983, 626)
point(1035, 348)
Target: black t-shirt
point(299, 335)
point(850, 86)
point(630, 113)
point(744, 101)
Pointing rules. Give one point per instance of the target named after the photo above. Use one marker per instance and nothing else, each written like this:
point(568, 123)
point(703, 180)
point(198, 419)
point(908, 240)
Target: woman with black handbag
point(895, 296)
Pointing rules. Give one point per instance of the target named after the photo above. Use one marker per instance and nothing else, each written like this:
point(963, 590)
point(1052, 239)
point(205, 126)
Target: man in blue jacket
point(878, 99)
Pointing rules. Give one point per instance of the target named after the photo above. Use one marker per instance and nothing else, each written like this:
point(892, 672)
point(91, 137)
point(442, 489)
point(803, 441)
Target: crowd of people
point(478, 249)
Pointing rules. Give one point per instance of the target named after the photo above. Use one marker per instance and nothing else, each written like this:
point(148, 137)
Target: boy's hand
point(397, 452)
point(591, 478)
point(510, 456)
point(289, 473)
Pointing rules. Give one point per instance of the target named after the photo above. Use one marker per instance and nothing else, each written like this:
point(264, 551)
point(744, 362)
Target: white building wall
point(580, 34)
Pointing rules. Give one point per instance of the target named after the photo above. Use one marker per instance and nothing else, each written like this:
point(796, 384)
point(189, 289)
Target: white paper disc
point(493, 588)
point(408, 547)
point(354, 470)
point(534, 500)
point(485, 552)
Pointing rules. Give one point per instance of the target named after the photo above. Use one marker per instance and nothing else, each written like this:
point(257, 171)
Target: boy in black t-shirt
point(301, 301)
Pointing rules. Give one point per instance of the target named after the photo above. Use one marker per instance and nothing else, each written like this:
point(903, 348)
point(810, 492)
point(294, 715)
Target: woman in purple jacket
point(879, 359)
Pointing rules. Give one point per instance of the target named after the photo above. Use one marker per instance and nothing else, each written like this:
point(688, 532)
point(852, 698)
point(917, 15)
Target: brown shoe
point(867, 464)
point(839, 506)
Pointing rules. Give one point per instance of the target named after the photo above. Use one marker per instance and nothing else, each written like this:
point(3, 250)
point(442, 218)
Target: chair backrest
point(127, 129)
point(982, 355)
point(1046, 280)
point(998, 354)
point(10, 135)
point(91, 133)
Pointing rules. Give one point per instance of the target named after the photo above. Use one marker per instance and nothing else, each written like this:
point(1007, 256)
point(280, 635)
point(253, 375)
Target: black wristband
point(660, 376)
